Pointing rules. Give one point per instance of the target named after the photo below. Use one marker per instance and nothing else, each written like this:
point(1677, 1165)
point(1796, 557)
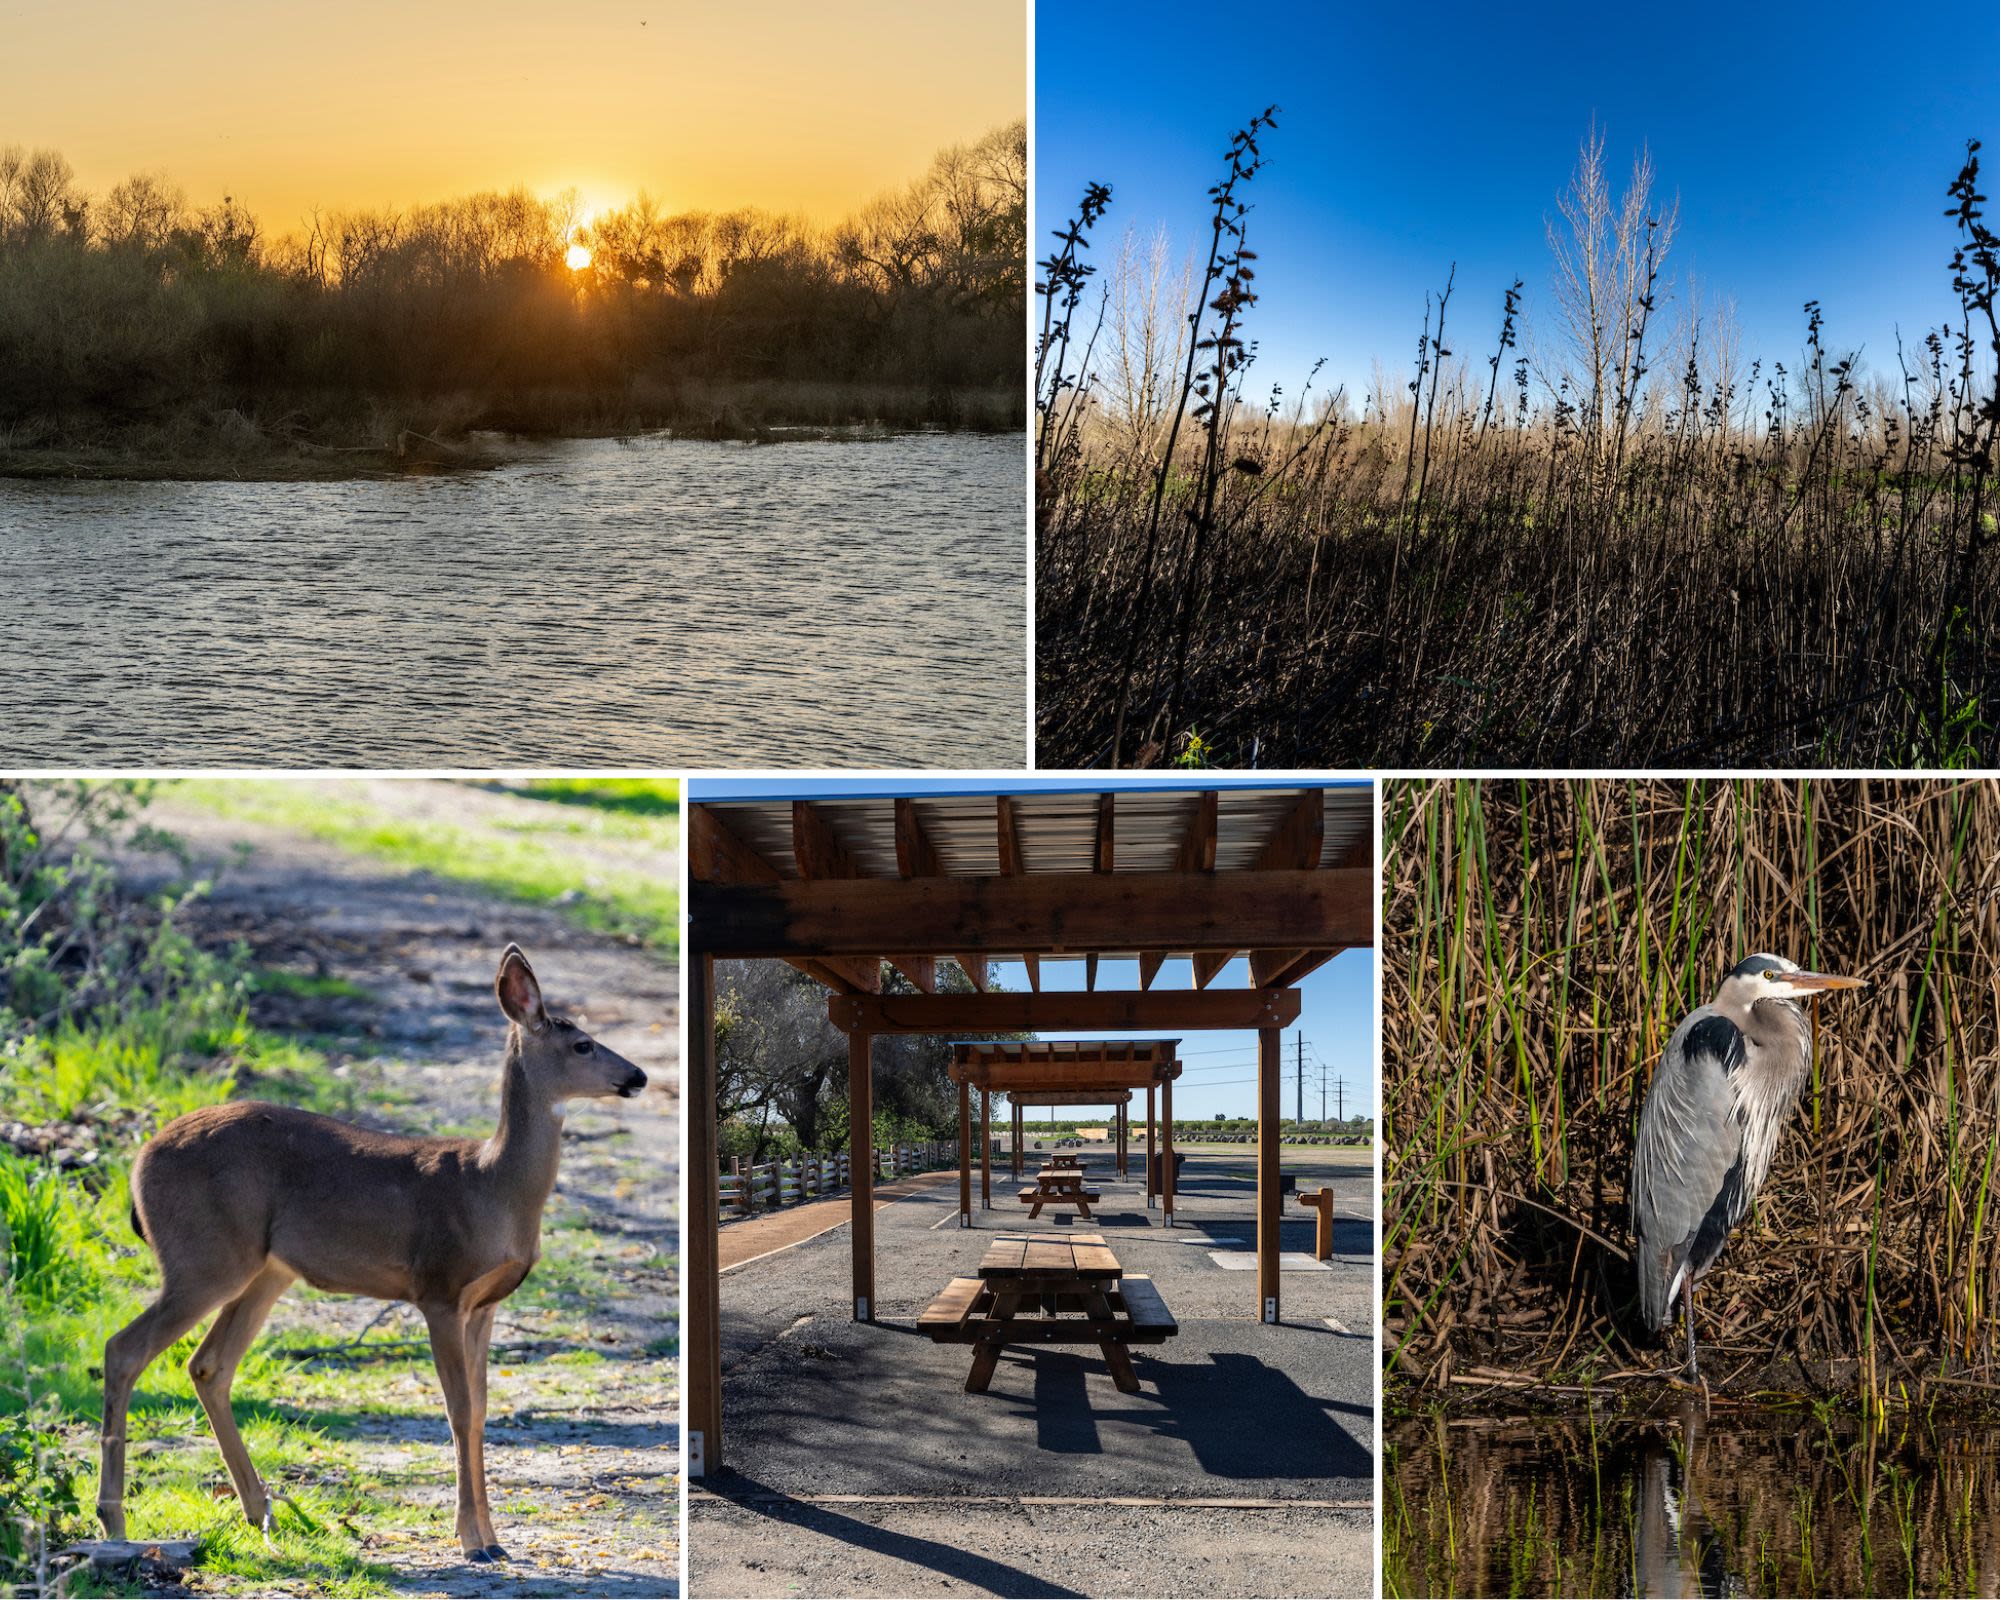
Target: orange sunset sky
point(785, 105)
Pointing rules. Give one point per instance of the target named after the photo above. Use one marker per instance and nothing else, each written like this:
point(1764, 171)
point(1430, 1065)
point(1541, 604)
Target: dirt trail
point(583, 1455)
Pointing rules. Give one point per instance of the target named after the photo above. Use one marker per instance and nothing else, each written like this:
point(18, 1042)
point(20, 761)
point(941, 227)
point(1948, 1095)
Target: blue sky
point(1337, 1019)
point(1810, 148)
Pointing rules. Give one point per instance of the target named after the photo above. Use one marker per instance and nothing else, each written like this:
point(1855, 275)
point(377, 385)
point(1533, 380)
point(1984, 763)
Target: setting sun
point(578, 256)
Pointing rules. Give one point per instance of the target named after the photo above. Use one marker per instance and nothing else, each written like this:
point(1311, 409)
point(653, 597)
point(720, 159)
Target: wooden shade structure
point(843, 886)
point(1044, 1072)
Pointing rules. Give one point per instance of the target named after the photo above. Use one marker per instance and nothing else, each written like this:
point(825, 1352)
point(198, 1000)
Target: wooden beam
point(976, 972)
point(1032, 1080)
point(1064, 1011)
point(1207, 963)
point(1010, 844)
point(1274, 969)
point(914, 856)
point(717, 855)
point(818, 853)
point(842, 974)
point(1299, 837)
point(1034, 966)
point(861, 1169)
point(1042, 914)
point(964, 1156)
point(1149, 967)
point(704, 1275)
point(920, 970)
point(1070, 1097)
point(1152, 1144)
point(1106, 817)
point(1360, 851)
point(986, 1149)
point(1270, 1203)
point(1090, 971)
point(1198, 848)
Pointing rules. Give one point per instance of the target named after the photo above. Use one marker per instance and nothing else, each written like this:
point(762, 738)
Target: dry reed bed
point(1541, 941)
point(1711, 563)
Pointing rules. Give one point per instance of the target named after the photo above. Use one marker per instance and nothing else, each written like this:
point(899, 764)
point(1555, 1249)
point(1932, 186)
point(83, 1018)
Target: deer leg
point(127, 1354)
point(213, 1369)
point(447, 1325)
point(478, 1337)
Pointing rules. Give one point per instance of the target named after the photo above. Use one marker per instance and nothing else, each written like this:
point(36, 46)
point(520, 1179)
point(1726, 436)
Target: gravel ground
point(584, 1467)
point(937, 1488)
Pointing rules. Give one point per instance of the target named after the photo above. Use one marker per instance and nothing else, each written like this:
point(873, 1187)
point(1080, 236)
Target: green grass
point(646, 797)
point(304, 985)
point(566, 860)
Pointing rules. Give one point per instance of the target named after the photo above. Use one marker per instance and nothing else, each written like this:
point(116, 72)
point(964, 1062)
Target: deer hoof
point(478, 1555)
point(495, 1553)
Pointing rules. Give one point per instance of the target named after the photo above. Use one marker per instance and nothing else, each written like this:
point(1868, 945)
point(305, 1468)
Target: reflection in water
point(595, 602)
point(1691, 1504)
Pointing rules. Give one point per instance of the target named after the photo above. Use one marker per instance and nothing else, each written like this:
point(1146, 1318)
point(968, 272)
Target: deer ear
point(520, 995)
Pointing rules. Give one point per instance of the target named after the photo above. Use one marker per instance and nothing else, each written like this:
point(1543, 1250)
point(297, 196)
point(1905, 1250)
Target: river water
point(1765, 1504)
point(593, 602)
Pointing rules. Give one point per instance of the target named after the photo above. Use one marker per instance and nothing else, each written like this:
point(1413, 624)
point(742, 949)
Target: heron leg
point(1687, 1310)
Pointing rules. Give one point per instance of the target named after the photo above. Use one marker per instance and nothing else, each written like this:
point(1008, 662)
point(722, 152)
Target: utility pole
point(1322, 1094)
point(1300, 1120)
point(1340, 1098)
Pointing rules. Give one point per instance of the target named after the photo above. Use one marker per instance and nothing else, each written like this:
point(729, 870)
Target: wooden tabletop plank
point(1004, 1256)
point(1095, 1261)
point(1049, 1256)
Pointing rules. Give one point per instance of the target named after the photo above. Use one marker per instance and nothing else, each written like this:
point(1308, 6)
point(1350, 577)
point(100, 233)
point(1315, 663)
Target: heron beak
point(1824, 980)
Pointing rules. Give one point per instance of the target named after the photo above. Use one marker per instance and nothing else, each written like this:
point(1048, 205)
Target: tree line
point(135, 308)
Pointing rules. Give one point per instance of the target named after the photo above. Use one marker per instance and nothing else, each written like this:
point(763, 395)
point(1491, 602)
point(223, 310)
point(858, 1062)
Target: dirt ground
point(583, 1455)
point(856, 1463)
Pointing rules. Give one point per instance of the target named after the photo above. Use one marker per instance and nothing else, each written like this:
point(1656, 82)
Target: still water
point(1686, 1504)
point(593, 602)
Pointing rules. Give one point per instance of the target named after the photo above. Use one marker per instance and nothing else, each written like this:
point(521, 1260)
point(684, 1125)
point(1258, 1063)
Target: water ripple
point(656, 603)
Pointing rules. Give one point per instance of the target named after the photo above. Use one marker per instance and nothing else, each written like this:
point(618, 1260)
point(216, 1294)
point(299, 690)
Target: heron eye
point(583, 1047)
point(1773, 976)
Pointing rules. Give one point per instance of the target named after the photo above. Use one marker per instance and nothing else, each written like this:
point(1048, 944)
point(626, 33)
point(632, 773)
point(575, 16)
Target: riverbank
point(293, 442)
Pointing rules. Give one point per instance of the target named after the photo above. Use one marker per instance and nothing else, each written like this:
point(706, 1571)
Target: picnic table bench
point(1061, 1186)
point(1049, 1288)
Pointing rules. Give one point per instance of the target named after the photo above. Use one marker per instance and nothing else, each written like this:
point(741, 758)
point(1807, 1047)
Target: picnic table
point(1049, 1288)
point(1059, 1186)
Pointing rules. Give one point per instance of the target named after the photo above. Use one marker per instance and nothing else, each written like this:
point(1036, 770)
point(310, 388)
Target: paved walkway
point(773, 1230)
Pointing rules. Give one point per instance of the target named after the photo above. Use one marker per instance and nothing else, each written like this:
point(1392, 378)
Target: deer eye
point(583, 1047)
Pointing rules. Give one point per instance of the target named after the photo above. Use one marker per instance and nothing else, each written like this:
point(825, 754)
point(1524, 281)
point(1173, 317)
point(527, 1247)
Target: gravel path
point(583, 1461)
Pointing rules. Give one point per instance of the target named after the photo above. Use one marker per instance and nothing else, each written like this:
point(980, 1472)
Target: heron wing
point(1687, 1168)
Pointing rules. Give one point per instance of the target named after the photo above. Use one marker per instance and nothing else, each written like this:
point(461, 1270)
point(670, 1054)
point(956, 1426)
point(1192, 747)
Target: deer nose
point(632, 1085)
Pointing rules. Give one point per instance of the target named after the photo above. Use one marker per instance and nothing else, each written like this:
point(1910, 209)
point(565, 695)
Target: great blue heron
point(1729, 1079)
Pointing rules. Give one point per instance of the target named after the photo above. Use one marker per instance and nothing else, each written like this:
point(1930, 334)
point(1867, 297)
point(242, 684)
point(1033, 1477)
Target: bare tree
point(1150, 298)
point(1608, 262)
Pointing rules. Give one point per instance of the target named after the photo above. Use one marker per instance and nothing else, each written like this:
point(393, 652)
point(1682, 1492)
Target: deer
point(239, 1201)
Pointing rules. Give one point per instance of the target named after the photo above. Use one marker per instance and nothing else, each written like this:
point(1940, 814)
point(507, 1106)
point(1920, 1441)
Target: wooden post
point(986, 1149)
point(1017, 1140)
point(964, 1155)
point(1118, 1111)
point(1152, 1144)
point(861, 1144)
point(1269, 1202)
point(704, 1272)
point(1167, 1149)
